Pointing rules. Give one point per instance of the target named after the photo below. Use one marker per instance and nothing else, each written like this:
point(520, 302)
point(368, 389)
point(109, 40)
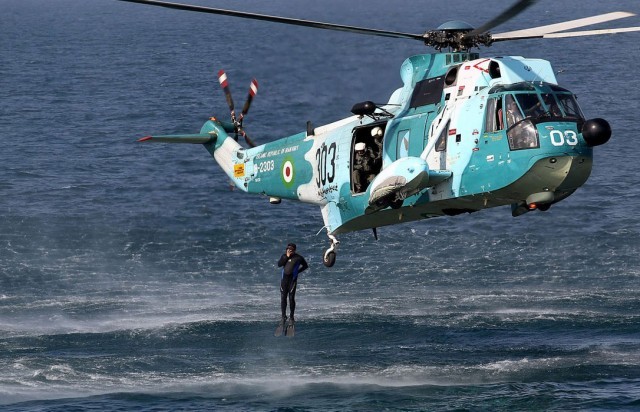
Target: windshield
point(507, 110)
point(553, 108)
point(570, 106)
point(530, 104)
point(535, 106)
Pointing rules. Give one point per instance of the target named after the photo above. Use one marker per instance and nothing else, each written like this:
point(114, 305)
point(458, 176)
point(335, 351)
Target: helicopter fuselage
point(462, 135)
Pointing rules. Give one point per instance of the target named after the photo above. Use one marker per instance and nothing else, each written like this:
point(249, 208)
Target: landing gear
point(329, 258)
point(396, 204)
point(391, 200)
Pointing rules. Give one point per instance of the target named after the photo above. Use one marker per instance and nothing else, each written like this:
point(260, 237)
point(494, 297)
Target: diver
point(292, 265)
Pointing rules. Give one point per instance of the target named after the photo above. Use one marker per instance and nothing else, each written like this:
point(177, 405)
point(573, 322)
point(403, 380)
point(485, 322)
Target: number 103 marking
point(326, 159)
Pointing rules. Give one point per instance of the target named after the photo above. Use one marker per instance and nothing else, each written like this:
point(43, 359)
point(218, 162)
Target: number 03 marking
point(568, 137)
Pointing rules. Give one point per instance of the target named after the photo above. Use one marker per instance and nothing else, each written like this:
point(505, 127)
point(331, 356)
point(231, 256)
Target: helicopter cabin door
point(437, 158)
point(366, 155)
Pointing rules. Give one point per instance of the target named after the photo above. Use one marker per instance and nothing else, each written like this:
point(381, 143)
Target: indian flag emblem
point(287, 171)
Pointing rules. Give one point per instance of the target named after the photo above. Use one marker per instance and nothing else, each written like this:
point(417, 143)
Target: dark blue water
point(131, 278)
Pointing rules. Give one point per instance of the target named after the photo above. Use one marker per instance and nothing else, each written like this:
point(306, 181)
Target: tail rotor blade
point(250, 142)
point(222, 78)
point(253, 90)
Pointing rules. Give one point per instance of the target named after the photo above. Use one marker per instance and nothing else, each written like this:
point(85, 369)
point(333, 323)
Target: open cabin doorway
point(366, 155)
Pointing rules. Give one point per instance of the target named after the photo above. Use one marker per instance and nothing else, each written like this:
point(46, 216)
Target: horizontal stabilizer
point(181, 138)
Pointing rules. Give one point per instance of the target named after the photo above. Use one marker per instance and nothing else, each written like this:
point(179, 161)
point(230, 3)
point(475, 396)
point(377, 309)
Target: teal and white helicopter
point(463, 134)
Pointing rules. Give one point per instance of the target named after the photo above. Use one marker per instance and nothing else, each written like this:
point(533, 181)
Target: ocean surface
point(132, 278)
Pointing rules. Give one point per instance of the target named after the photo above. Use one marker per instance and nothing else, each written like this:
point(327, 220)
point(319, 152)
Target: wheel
point(397, 204)
point(329, 259)
point(389, 201)
point(381, 203)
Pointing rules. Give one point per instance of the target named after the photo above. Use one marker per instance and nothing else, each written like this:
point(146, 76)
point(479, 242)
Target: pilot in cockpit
point(554, 109)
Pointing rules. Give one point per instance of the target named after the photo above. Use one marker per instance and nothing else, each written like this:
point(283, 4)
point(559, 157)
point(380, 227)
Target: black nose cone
point(596, 131)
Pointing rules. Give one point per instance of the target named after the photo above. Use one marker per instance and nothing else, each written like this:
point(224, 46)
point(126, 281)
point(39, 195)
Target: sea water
point(132, 278)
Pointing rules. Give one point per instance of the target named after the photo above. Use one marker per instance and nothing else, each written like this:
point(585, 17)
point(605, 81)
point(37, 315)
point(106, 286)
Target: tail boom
point(201, 138)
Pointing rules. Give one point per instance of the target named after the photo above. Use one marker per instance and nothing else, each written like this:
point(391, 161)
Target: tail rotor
point(237, 121)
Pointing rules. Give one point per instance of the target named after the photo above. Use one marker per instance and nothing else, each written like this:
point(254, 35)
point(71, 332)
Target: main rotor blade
point(508, 14)
point(590, 32)
point(542, 31)
point(283, 20)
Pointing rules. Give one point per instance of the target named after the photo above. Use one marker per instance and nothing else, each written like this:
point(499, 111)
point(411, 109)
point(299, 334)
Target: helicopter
point(463, 133)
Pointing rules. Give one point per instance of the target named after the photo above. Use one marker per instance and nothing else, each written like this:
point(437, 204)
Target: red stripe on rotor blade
point(253, 89)
point(144, 139)
point(222, 78)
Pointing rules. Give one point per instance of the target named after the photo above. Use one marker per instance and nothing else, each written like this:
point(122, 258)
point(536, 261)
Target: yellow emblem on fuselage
point(238, 170)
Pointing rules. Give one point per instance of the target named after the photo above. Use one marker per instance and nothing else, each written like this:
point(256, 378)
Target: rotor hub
point(454, 35)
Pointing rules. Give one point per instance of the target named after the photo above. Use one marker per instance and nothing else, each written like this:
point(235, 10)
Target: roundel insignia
point(287, 172)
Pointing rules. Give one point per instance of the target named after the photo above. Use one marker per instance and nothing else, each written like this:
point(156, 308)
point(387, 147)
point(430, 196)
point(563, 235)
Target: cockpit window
point(570, 106)
point(531, 104)
point(490, 122)
point(441, 144)
point(506, 111)
point(514, 115)
point(553, 109)
point(538, 102)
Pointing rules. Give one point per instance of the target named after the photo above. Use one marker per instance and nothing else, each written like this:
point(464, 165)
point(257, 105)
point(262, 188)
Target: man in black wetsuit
point(292, 265)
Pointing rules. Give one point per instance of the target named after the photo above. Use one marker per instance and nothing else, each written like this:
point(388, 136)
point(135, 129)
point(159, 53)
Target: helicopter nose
point(596, 132)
